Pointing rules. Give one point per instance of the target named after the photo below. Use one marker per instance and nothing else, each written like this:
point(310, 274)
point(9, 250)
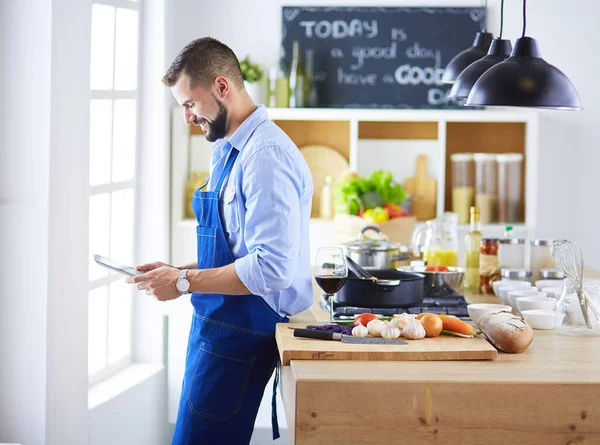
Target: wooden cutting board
point(443, 347)
point(423, 189)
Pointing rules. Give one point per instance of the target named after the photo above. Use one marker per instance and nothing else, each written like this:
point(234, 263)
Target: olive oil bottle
point(472, 246)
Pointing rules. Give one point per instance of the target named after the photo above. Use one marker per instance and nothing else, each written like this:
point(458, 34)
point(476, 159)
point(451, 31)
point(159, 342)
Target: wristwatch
point(183, 285)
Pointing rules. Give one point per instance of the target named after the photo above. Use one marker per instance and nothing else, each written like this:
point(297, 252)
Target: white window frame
point(112, 94)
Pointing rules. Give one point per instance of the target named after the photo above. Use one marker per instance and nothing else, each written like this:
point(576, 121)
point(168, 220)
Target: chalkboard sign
point(381, 57)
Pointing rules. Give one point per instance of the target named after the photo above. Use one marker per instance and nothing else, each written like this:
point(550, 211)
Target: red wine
point(331, 284)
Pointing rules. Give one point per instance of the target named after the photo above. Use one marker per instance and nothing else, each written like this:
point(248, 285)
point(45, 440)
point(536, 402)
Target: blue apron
point(231, 351)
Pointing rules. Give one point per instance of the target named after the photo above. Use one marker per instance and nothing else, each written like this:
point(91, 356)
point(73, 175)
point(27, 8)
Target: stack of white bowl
point(536, 306)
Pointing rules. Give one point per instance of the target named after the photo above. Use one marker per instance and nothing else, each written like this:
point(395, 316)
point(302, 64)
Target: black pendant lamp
point(463, 59)
point(525, 80)
point(499, 50)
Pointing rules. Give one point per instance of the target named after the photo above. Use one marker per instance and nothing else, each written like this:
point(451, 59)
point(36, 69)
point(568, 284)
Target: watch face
point(183, 285)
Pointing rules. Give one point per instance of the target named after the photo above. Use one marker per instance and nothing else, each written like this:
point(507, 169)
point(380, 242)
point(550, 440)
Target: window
point(113, 147)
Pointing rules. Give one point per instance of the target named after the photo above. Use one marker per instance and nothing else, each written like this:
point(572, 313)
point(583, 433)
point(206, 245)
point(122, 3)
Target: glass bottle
point(489, 270)
point(472, 247)
point(310, 89)
point(296, 78)
point(326, 199)
point(281, 83)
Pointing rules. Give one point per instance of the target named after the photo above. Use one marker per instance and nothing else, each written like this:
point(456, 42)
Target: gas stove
point(454, 304)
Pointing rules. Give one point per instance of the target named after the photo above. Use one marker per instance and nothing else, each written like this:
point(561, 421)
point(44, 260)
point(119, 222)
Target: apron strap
point(274, 421)
point(233, 154)
point(205, 184)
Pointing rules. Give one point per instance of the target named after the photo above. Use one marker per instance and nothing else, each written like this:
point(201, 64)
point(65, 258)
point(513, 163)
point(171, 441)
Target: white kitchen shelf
point(374, 115)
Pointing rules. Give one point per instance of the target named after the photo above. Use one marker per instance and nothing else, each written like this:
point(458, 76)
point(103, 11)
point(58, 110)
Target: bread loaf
point(506, 331)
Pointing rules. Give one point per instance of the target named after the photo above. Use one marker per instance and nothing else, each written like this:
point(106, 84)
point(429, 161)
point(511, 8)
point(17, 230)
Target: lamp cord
point(501, 17)
point(485, 20)
point(524, 17)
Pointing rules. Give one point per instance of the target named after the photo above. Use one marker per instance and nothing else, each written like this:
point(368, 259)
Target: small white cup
point(536, 302)
point(503, 290)
point(476, 310)
point(554, 292)
point(541, 284)
point(506, 282)
point(514, 294)
point(540, 319)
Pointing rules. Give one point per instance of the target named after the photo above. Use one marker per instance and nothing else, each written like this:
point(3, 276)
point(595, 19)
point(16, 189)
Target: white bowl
point(514, 294)
point(505, 282)
point(554, 292)
point(540, 319)
point(541, 284)
point(532, 303)
point(503, 290)
point(478, 309)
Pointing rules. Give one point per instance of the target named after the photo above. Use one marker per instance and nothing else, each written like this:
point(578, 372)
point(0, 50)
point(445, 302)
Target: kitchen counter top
point(549, 394)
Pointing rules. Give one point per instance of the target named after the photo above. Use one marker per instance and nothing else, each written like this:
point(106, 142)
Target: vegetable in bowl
point(355, 194)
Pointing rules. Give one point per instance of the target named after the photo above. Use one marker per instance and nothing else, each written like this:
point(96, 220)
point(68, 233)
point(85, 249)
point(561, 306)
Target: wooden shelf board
point(397, 130)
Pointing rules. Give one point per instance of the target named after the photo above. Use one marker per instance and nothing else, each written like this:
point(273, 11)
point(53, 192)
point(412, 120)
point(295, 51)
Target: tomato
point(364, 319)
point(437, 269)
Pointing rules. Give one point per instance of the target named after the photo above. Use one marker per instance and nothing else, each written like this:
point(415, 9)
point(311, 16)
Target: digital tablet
point(117, 267)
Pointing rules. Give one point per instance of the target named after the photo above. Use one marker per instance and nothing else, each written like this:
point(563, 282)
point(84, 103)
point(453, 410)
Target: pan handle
point(390, 285)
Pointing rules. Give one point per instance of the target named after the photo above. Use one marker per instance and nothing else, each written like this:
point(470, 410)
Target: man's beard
point(217, 129)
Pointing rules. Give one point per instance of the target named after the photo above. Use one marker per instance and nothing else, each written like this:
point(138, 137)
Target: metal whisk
point(569, 259)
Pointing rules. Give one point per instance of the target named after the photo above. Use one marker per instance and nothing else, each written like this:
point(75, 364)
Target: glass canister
point(463, 185)
point(511, 253)
point(509, 187)
point(486, 190)
point(551, 274)
point(489, 270)
point(518, 274)
point(579, 316)
point(541, 257)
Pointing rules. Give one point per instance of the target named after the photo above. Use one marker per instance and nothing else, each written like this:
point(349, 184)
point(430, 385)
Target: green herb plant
point(251, 72)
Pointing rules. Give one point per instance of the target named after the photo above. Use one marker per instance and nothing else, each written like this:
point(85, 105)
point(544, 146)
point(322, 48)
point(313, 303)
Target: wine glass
point(331, 271)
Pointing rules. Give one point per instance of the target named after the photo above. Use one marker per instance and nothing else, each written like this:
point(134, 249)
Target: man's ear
point(222, 87)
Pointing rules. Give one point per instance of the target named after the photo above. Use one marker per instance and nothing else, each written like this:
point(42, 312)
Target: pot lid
point(379, 244)
point(371, 244)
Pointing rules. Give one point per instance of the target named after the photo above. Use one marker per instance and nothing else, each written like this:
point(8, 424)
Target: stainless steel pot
point(440, 284)
point(377, 253)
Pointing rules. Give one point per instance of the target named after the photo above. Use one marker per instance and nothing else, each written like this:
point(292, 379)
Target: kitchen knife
point(326, 335)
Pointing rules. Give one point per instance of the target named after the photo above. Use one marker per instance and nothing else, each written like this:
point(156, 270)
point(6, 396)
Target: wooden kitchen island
point(549, 394)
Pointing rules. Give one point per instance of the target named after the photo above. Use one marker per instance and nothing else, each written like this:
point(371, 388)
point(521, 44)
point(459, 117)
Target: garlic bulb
point(390, 331)
point(413, 331)
point(400, 321)
point(374, 327)
point(360, 331)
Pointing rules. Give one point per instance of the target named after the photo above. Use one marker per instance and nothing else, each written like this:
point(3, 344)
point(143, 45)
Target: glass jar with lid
point(486, 190)
point(511, 253)
point(519, 274)
point(540, 256)
point(509, 187)
point(552, 274)
point(573, 317)
point(463, 185)
point(489, 270)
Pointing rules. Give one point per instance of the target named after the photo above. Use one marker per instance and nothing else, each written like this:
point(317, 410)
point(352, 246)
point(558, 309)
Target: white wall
point(135, 417)
point(24, 158)
point(44, 135)
point(567, 37)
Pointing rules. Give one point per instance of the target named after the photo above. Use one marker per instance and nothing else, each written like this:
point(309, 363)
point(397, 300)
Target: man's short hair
point(202, 60)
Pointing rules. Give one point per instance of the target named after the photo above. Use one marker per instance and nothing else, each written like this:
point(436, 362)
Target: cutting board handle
point(421, 166)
